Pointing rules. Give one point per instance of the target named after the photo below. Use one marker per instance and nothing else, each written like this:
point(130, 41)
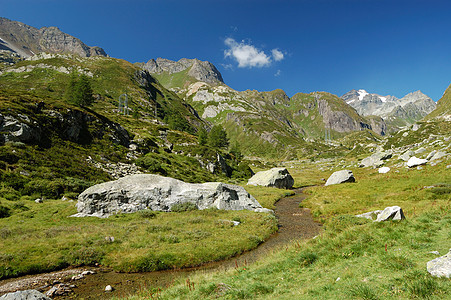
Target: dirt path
point(294, 223)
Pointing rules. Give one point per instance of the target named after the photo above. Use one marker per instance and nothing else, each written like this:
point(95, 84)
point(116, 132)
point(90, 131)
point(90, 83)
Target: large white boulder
point(441, 266)
point(147, 191)
point(414, 161)
point(275, 177)
point(25, 295)
point(384, 170)
point(340, 177)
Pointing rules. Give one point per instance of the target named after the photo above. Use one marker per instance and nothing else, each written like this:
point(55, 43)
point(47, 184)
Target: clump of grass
point(423, 287)
point(186, 206)
point(362, 291)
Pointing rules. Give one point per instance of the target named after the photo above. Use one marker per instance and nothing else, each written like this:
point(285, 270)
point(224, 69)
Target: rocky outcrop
point(340, 177)
point(339, 120)
point(25, 295)
point(200, 70)
point(275, 177)
point(441, 266)
point(18, 129)
point(27, 41)
point(147, 191)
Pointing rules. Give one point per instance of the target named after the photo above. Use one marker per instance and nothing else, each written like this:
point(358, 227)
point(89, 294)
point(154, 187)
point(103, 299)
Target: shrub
point(186, 206)
point(4, 211)
point(147, 214)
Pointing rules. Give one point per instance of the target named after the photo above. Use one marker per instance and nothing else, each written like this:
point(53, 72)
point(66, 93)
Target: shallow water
point(294, 223)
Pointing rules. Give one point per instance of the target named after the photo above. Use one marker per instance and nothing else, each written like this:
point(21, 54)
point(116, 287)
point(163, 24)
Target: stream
point(294, 223)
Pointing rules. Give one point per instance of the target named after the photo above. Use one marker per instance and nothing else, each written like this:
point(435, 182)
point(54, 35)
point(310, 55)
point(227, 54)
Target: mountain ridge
point(26, 41)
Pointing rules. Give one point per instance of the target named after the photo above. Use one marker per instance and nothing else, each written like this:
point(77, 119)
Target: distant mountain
point(396, 112)
point(24, 41)
point(183, 72)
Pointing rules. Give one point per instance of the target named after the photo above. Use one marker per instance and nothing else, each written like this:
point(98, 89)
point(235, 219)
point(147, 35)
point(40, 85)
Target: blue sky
point(389, 47)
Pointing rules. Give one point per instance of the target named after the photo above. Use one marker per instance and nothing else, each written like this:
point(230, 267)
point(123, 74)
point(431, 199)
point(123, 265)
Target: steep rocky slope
point(25, 41)
point(443, 110)
point(182, 72)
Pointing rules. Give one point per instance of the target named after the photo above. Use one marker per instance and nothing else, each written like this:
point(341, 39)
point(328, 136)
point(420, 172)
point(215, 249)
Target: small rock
point(236, 223)
point(435, 252)
point(338, 279)
point(421, 150)
point(384, 170)
point(109, 288)
point(109, 239)
point(419, 168)
point(441, 266)
point(88, 272)
point(64, 198)
point(39, 200)
point(372, 215)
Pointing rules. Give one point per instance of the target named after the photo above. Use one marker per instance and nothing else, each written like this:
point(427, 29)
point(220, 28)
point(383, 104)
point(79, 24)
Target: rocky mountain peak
point(200, 70)
point(26, 41)
point(408, 109)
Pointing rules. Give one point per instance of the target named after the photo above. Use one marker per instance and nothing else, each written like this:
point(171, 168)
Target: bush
point(187, 206)
point(4, 211)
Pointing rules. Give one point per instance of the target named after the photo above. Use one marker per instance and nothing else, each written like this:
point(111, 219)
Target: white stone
point(340, 177)
point(108, 288)
point(414, 161)
point(391, 213)
point(441, 266)
point(384, 170)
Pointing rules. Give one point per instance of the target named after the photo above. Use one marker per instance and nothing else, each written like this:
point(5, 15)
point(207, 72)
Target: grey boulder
point(25, 295)
point(441, 266)
point(375, 160)
point(407, 155)
point(275, 177)
point(389, 213)
point(340, 177)
point(147, 191)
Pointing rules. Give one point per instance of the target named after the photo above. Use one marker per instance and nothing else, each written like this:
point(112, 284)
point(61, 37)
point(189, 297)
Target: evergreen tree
point(79, 90)
point(83, 92)
point(203, 137)
point(217, 137)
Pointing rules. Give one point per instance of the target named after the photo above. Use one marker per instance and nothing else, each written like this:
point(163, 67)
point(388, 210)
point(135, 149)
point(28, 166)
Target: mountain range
point(262, 123)
point(396, 112)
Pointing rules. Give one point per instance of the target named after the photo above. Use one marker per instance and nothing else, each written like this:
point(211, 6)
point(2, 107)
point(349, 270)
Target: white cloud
point(246, 55)
point(227, 66)
point(277, 54)
point(278, 73)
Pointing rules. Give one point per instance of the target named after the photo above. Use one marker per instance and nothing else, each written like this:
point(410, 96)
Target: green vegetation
point(353, 258)
point(217, 137)
point(79, 91)
point(143, 241)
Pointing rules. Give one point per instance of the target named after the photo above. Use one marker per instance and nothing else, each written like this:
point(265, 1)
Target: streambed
point(294, 223)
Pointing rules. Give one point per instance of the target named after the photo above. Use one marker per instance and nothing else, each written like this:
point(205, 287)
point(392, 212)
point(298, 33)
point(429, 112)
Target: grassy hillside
point(443, 106)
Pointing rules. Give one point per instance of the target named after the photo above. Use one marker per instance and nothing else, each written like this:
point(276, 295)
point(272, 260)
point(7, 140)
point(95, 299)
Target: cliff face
point(199, 70)
point(26, 41)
